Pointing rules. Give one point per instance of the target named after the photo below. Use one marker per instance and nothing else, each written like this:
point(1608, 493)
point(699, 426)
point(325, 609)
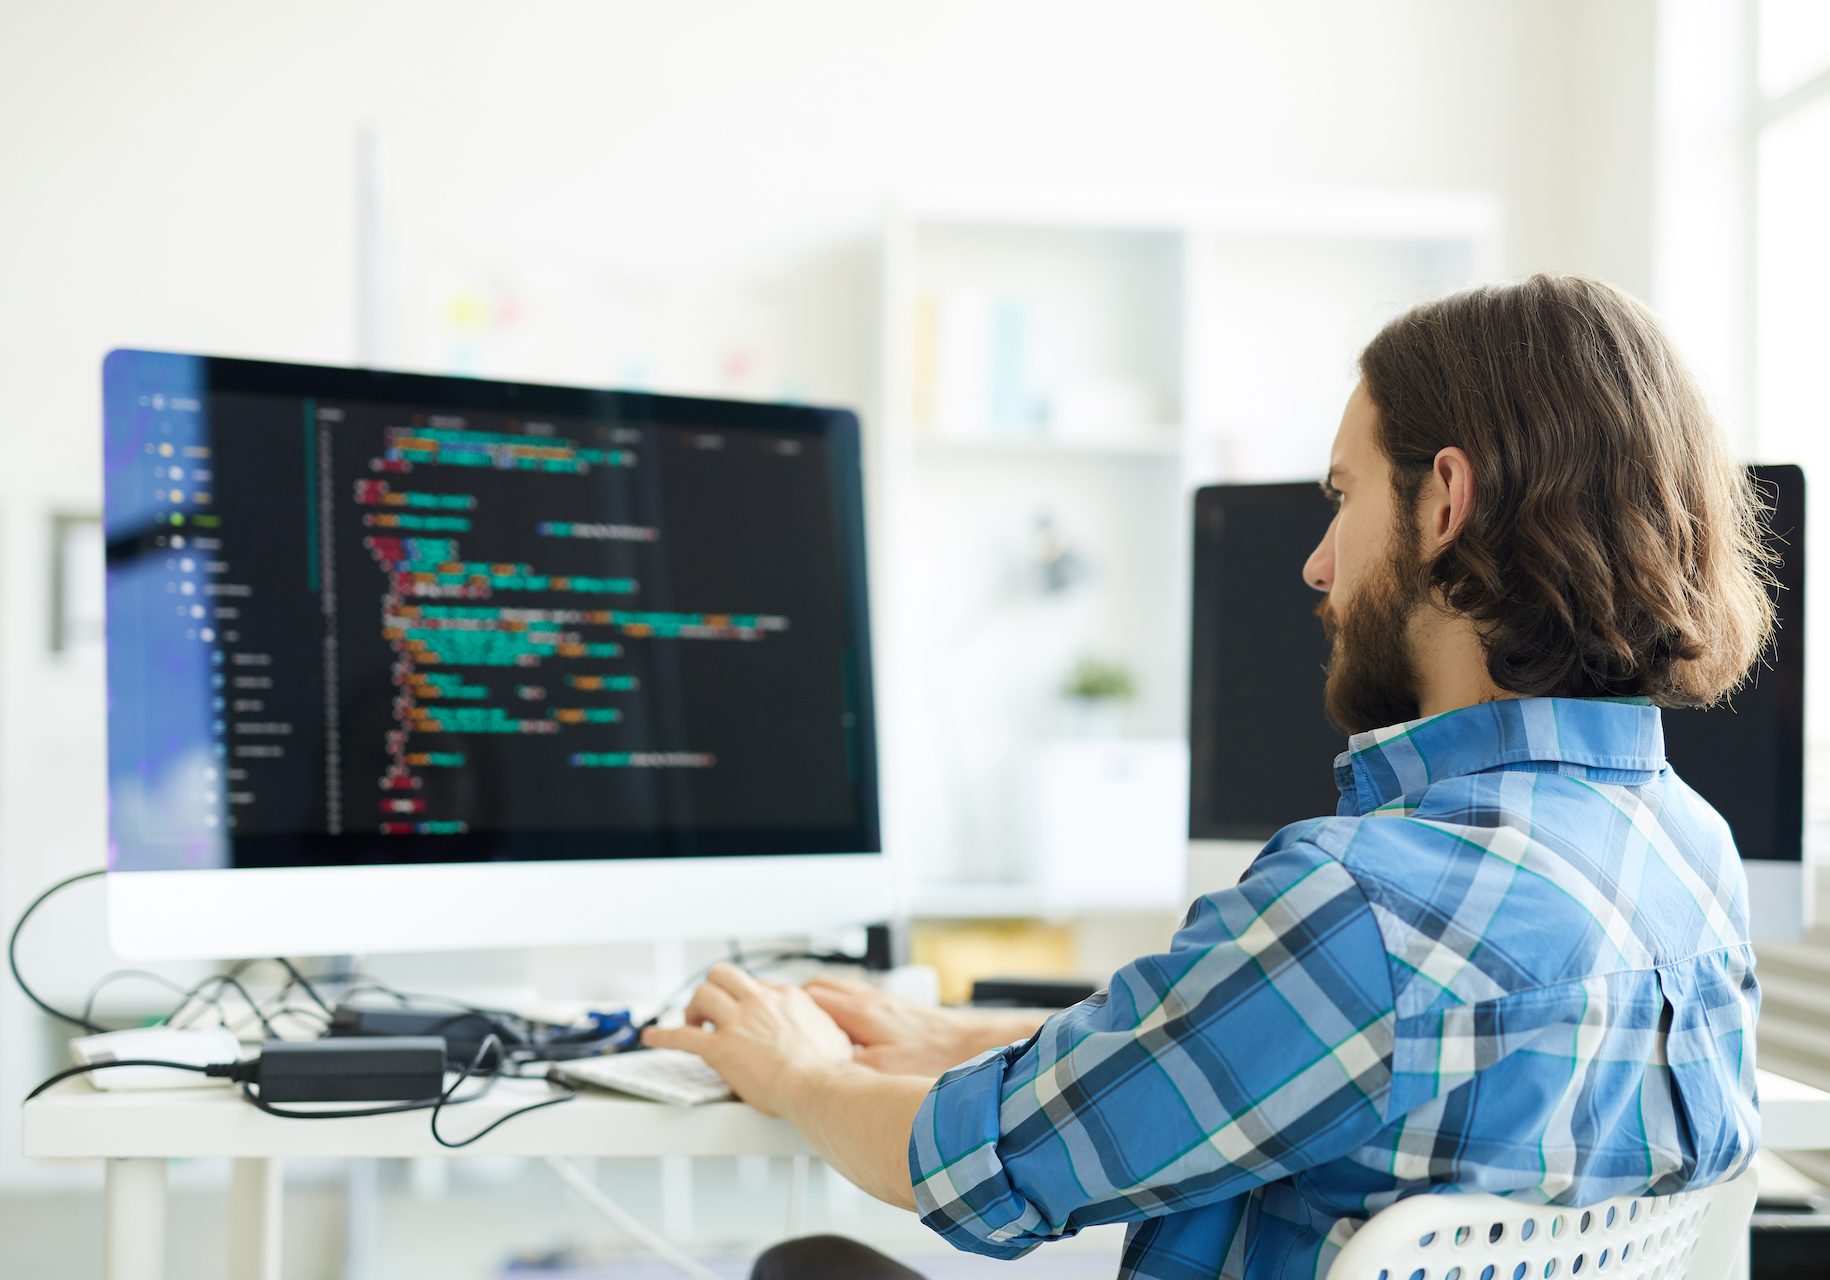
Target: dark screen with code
point(456, 621)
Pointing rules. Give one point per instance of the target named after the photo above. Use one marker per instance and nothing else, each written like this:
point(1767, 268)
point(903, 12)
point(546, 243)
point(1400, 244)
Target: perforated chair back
point(1694, 1235)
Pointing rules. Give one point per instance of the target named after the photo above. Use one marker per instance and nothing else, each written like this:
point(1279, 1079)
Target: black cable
point(499, 1039)
point(313, 1020)
point(408, 997)
point(279, 1003)
point(215, 982)
point(444, 1099)
point(498, 1021)
point(357, 1113)
point(394, 1108)
point(87, 1067)
point(380, 987)
point(221, 982)
point(175, 1016)
point(120, 975)
point(497, 1026)
point(217, 985)
point(505, 1074)
point(569, 1094)
point(262, 1011)
point(304, 983)
point(196, 992)
point(476, 1060)
point(12, 949)
point(224, 981)
point(241, 1071)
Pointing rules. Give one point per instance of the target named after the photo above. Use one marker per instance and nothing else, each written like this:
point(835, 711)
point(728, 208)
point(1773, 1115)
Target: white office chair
point(1694, 1235)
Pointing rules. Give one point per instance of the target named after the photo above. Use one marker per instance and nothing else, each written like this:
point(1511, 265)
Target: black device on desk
point(1260, 745)
point(1030, 993)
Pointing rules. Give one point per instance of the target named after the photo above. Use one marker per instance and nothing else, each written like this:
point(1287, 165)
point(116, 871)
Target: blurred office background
point(1067, 260)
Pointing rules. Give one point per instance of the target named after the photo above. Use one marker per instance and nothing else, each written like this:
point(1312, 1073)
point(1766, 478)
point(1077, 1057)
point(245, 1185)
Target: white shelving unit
point(1059, 374)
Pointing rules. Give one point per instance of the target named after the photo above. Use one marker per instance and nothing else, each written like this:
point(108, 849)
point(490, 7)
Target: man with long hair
point(1515, 960)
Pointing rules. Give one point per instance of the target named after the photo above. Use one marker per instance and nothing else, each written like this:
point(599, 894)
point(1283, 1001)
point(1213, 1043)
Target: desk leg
point(797, 1194)
point(677, 1197)
point(254, 1219)
point(361, 1223)
point(133, 1220)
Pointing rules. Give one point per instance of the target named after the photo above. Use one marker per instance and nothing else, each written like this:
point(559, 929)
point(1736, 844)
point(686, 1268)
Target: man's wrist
point(811, 1081)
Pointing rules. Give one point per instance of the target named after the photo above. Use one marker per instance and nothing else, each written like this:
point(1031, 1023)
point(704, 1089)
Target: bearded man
point(1515, 960)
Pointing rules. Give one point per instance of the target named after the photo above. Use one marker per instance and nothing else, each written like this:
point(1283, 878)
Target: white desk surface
point(1793, 1116)
point(76, 1119)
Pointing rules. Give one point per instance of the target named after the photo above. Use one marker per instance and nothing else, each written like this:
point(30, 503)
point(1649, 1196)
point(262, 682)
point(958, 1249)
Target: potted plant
point(1097, 692)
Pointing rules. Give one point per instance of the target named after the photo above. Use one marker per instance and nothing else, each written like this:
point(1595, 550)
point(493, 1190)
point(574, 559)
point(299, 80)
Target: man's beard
point(1372, 679)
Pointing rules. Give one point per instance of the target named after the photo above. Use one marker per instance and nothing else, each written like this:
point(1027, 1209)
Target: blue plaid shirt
point(1516, 961)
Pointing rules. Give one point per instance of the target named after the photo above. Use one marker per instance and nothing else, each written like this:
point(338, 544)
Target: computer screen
point(1262, 749)
point(1747, 757)
point(359, 618)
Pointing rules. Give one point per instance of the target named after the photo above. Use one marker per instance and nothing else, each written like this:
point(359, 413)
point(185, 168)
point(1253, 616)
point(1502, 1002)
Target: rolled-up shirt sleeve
point(1259, 1044)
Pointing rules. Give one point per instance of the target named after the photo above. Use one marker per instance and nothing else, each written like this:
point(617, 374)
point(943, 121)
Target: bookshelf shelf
point(1057, 377)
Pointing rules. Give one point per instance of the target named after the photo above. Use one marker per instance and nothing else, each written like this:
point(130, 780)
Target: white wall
point(184, 175)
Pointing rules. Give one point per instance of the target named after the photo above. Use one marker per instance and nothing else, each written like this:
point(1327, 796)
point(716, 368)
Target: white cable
point(626, 1222)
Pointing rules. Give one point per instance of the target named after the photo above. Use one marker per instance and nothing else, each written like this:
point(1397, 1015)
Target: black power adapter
point(369, 1069)
point(461, 1031)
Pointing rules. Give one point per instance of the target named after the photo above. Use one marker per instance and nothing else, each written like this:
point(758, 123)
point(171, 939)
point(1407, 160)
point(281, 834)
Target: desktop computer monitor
point(399, 662)
point(1261, 748)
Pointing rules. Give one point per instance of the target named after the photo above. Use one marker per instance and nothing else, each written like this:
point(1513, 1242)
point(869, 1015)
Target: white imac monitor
point(399, 662)
point(1259, 655)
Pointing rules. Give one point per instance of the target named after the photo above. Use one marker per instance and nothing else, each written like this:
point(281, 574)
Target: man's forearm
point(859, 1122)
point(985, 1029)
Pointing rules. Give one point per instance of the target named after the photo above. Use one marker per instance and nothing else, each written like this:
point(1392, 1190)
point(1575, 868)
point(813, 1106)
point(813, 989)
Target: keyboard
point(660, 1075)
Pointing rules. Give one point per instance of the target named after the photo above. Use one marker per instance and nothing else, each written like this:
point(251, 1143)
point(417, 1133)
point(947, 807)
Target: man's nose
point(1318, 569)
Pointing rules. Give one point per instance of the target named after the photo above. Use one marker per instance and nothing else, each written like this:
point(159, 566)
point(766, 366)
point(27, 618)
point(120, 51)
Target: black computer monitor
point(1747, 758)
point(603, 656)
point(1262, 749)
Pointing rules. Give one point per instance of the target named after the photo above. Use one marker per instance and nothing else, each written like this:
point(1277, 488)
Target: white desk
point(1793, 1116)
point(137, 1132)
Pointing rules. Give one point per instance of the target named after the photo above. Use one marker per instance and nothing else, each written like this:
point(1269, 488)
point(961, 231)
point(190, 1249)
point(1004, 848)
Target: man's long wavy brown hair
point(1614, 548)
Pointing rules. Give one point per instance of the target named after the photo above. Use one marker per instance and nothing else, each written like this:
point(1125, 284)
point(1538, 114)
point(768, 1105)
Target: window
point(1790, 138)
point(1794, 44)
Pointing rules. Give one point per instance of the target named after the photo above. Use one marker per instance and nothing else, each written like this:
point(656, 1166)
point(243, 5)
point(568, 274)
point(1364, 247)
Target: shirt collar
point(1579, 735)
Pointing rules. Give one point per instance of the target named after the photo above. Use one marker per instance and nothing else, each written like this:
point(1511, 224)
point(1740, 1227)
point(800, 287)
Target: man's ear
point(1449, 499)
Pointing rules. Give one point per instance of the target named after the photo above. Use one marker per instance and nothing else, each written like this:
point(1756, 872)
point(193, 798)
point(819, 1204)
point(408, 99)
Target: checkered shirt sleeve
point(1258, 1045)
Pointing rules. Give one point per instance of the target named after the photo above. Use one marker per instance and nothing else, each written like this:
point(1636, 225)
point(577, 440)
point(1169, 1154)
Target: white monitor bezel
point(295, 911)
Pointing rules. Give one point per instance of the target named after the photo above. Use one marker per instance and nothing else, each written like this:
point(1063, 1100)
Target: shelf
point(1186, 337)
